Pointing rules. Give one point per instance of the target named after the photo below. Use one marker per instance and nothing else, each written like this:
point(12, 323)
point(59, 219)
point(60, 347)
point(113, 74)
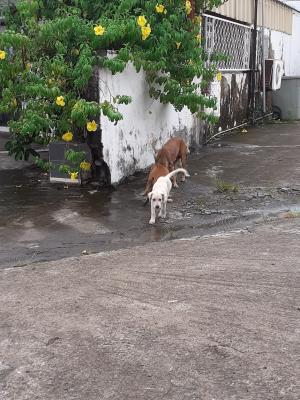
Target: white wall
point(147, 124)
point(287, 47)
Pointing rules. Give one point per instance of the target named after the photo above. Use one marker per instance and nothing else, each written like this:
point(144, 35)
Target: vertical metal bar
point(253, 62)
point(263, 54)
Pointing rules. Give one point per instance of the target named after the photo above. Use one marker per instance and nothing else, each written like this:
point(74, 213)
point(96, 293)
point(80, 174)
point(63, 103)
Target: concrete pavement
point(213, 318)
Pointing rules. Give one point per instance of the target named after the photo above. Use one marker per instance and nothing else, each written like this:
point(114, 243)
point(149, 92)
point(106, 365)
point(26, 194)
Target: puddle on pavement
point(43, 221)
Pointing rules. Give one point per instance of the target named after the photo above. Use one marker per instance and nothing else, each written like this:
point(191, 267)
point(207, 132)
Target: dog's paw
point(152, 222)
point(170, 200)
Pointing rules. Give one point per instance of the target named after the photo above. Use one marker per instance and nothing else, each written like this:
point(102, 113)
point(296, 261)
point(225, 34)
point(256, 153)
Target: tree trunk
point(101, 176)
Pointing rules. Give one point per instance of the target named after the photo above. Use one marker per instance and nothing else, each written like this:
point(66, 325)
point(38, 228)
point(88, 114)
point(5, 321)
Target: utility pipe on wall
point(253, 63)
point(263, 54)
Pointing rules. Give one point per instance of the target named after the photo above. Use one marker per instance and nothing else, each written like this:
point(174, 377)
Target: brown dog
point(174, 151)
point(156, 172)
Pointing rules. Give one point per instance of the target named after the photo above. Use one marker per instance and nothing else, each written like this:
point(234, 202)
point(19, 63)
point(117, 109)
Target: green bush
point(51, 47)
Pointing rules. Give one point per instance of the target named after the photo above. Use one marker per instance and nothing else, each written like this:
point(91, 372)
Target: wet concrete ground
point(210, 318)
point(40, 221)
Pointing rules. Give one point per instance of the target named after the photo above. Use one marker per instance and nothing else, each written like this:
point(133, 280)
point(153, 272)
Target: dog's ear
point(163, 197)
point(150, 196)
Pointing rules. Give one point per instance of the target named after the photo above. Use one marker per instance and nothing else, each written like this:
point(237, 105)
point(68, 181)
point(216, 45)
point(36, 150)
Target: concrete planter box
point(57, 157)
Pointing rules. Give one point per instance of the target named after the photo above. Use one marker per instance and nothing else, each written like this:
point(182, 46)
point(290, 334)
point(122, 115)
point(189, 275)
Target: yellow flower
point(14, 102)
point(85, 166)
point(67, 137)
point(198, 19)
point(178, 44)
point(73, 176)
point(219, 76)
point(160, 9)
point(188, 7)
point(60, 101)
point(28, 67)
point(141, 21)
point(91, 126)
point(146, 30)
point(198, 38)
point(2, 55)
point(99, 30)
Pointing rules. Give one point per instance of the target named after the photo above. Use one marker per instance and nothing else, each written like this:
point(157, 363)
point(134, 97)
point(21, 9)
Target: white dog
point(160, 192)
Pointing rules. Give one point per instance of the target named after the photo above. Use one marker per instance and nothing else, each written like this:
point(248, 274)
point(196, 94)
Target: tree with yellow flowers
point(51, 48)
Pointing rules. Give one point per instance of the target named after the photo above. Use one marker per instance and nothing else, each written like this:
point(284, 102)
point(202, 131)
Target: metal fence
point(230, 39)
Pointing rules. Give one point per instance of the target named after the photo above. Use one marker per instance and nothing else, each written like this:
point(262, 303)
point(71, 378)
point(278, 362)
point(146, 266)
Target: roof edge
point(287, 5)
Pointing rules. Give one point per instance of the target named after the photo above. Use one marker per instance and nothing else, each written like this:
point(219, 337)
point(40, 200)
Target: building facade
point(229, 29)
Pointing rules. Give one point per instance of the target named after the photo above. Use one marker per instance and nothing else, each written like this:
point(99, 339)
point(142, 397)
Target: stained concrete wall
point(232, 99)
point(147, 124)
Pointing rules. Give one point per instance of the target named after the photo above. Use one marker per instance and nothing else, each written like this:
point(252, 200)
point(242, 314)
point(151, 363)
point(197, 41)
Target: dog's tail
point(176, 171)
